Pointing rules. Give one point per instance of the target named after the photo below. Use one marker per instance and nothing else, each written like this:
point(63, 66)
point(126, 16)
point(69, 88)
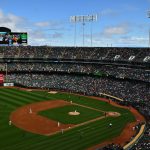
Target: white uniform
point(10, 122)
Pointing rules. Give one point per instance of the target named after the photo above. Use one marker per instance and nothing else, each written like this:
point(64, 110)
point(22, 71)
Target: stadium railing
point(135, 139)
point(110, 96)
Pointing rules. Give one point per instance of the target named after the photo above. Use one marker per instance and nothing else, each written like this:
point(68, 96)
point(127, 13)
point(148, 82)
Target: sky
point(120, 23)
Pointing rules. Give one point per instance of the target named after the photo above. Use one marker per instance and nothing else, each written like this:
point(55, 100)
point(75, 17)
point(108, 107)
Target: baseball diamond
point(40, 129)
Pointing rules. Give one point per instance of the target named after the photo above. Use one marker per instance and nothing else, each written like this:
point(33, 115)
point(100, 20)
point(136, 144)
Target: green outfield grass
point(61, 114)
point(13, 138)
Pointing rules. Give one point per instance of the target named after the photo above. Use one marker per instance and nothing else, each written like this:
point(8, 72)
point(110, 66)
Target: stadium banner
point(8, 84)
point(1, 78)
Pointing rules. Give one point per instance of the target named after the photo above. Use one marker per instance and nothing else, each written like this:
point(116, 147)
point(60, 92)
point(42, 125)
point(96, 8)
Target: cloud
point(126, 41)
point(114, 30)
point(120, 29)
point(11, 21)
point(111, 35)
point(42, 24)
point(57, 35)
point(133, 40)
point(123, 34)
point(50, 24)
point(109, 12)
point(39, 33)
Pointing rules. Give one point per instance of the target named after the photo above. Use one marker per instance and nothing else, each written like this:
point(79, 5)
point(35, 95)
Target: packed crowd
point(98, 69)
point(91, 53)
point(111, 147)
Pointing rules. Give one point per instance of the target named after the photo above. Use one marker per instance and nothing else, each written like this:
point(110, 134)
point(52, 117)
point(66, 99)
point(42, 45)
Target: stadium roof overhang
point(4, 29)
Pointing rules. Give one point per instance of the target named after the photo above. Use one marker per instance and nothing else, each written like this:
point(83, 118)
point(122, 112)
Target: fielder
point(30, 111)
point(110, 125)
point(10, 122)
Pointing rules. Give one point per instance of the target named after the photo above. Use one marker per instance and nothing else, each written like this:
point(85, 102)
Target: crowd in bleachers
point(111, 147)
point(111, 70)
point(91, 53)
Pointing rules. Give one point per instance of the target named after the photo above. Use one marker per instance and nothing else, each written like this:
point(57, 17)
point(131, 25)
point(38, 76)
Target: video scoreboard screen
point(13, 38)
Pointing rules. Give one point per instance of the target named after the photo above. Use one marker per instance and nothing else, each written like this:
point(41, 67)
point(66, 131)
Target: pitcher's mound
point(74, 113)
point(113, 114)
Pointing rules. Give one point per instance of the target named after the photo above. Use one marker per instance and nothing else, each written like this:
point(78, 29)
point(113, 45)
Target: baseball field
point(42, 120)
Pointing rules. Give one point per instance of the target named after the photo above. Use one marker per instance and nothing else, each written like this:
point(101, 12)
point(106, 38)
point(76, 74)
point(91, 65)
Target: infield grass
point(61, 114)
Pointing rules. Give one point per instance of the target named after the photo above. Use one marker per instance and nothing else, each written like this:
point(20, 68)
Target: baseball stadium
point(73, 97)
point(53, 103)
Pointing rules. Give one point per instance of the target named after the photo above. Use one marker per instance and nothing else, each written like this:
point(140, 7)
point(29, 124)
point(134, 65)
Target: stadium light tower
point(148, 15)
point(83, 20)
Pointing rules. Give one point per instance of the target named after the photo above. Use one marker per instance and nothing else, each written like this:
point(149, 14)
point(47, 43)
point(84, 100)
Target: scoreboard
point(13, 38)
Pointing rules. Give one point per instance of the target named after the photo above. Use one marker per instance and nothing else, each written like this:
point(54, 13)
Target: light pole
point(148, 15)
point(91, 35)
point(83, 31)
point(83, 19)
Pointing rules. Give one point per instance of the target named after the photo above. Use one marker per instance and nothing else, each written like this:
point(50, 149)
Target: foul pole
point(83, 19)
